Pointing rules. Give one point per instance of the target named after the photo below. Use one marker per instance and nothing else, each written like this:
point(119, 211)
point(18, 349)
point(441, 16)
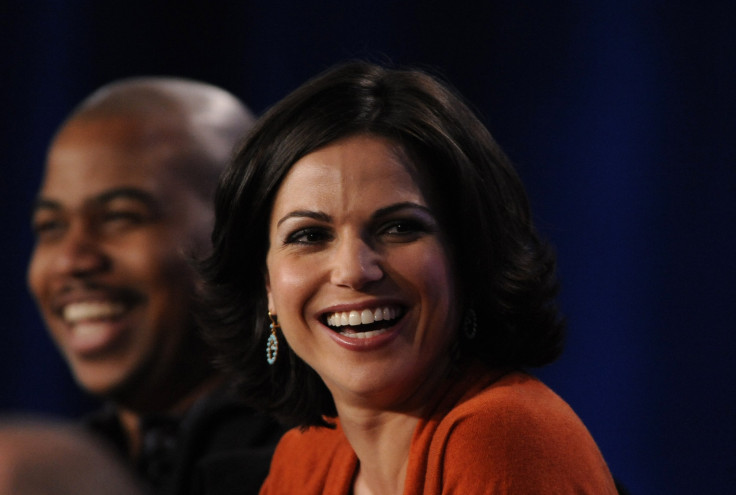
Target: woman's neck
point(382, 442)
point(381, 431)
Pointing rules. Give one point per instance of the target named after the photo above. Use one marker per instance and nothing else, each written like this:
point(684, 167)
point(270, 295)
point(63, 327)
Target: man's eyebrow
point(127, 193)
point(44, 204)
point(136, 194)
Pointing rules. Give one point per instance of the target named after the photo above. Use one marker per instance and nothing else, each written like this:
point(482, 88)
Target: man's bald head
point(204, 121)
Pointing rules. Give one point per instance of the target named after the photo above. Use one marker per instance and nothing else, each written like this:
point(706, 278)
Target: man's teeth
point(92, 311)
point(365, 317)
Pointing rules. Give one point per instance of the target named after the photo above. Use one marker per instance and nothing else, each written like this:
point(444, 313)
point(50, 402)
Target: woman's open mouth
point(365, 323)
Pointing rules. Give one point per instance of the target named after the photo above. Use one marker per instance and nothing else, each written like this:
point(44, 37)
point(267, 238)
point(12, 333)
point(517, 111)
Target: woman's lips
point(364, 329)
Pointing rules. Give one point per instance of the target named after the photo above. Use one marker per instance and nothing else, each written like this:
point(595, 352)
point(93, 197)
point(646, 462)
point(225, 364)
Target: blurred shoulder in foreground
point(40, 457)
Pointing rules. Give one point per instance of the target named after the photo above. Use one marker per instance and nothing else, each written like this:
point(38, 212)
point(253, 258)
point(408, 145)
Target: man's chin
point(108, 385)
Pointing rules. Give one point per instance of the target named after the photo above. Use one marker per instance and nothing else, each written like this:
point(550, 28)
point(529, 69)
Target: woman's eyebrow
point(324, 217)
point(316, 215)
point(387, 210)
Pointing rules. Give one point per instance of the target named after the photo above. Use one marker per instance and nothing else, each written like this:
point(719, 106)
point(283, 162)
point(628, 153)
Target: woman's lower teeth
point(361, 335)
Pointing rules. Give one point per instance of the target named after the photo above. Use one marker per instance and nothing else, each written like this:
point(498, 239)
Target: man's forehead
point(156, 154)
point(119, 145)
point(76, 179)
point(135, 132)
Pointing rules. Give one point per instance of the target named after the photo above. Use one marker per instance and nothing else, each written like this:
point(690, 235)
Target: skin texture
point(351, 230)
point(125, 202)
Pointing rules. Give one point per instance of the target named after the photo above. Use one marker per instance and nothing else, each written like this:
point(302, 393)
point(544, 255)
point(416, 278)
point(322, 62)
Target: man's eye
point(45, 228)
point(123, 216)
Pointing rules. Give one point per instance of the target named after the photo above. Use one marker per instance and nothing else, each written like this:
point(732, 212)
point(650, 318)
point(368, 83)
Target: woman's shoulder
point(315, 460)
point(514, 427)
point(311, 437)
point(513, 406)
point(312, 448)
point(517, 391)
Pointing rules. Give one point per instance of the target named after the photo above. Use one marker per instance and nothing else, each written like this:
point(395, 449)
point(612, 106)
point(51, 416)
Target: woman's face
point(359, 275)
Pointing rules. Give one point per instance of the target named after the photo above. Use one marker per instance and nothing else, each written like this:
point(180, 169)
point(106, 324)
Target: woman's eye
point(404, 228)
point(307, 236)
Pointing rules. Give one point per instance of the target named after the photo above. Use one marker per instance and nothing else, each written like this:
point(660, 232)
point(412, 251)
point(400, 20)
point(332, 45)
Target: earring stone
point(272, 344)
point(470, 324)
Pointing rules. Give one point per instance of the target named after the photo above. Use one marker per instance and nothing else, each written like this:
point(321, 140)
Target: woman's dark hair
point(505, 273)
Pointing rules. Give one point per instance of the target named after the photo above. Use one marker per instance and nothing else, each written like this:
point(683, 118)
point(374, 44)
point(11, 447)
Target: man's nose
point(356, 264)
point(80, 252)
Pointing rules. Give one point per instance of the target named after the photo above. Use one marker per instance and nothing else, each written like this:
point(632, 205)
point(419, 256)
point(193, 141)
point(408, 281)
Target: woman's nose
point(356, 264)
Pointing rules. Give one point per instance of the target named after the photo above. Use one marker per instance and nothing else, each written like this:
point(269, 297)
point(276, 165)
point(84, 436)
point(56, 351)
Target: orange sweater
point(508, 436)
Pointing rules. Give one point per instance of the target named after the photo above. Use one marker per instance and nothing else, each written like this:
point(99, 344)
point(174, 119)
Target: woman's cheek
point(290, 285)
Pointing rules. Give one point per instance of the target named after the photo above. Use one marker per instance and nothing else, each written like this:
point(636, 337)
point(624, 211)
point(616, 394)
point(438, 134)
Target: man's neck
point(131, 418)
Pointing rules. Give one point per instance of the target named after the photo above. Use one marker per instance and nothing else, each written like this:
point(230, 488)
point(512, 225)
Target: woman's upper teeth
point(364, 317)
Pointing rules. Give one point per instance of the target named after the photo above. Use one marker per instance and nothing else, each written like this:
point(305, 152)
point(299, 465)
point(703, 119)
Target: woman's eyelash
point(405, 226)
point(403, 229)
point(309, 235)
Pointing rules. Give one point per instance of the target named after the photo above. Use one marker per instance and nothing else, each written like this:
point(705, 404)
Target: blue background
point(619, 114)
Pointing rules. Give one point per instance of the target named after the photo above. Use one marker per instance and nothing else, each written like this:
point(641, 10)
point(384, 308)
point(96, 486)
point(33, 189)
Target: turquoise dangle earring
point(272, 344)
point(470, 324)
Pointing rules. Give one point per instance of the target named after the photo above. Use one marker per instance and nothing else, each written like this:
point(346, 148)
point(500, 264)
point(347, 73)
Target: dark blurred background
point(619, 114)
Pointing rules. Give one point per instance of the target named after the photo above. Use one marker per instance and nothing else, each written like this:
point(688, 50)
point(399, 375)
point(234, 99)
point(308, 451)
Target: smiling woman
point(374, 219)
point(352, 236)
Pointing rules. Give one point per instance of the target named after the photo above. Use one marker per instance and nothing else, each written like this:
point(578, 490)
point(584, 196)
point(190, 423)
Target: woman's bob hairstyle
point(505, 273)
